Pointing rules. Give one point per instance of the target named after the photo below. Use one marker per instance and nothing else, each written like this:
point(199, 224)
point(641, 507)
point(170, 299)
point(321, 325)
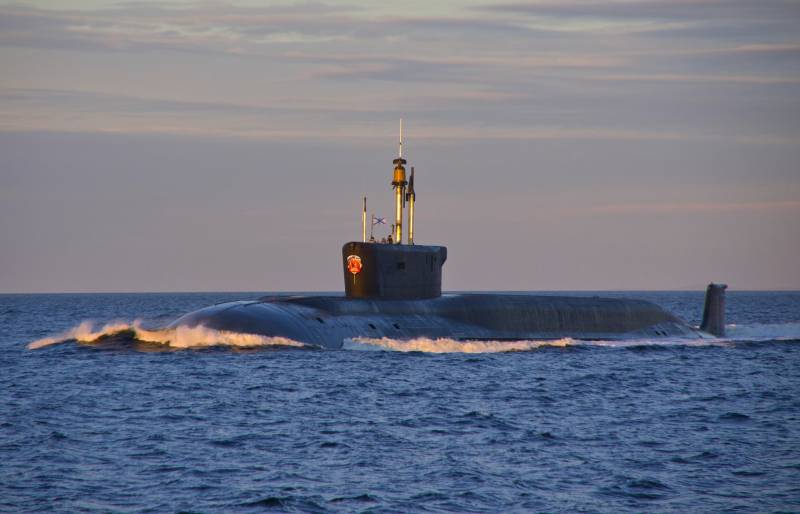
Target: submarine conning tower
point(392, 269)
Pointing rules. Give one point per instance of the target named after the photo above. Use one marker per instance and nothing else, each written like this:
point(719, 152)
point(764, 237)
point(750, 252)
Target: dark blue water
point(646, 427)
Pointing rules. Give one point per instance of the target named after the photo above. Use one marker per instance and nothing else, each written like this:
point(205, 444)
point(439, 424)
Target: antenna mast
point(399, 185)
point(400, 149)
point(364, 222)
point(411, 197)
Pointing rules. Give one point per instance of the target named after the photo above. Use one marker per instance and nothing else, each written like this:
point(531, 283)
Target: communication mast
point(399, 184)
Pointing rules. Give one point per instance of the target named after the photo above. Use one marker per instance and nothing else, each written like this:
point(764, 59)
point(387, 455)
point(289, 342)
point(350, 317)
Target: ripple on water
point(735, 417)
point(574, 429)
point(358, 499)
point(639, 489)
point(284, 503)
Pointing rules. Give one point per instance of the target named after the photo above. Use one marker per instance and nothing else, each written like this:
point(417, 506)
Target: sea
point(99, 412)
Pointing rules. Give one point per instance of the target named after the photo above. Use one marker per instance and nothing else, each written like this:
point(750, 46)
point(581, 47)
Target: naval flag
point(378, 221)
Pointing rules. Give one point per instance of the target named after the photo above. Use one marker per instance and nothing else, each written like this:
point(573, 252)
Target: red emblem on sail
point(354, 264)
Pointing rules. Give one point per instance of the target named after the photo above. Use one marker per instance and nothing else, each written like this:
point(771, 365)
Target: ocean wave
point(177, 338)
point(183, 337)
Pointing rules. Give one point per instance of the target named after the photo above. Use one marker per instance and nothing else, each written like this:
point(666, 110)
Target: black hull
point(327, 321)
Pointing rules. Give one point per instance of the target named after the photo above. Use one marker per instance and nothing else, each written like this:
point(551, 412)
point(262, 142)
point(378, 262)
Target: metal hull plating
point(327, 321)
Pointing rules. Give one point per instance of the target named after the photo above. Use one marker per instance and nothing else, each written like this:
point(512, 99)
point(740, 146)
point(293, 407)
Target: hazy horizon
point(195, 146)
point(453, 291)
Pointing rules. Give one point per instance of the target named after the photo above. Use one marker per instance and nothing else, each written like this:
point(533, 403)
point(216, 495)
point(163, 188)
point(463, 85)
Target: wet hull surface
point(328, 321)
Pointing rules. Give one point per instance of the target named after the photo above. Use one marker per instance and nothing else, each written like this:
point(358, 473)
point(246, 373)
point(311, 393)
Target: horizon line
point(452, 291)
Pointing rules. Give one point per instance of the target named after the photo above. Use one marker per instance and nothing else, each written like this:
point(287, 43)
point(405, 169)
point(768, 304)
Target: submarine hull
point(327, 321)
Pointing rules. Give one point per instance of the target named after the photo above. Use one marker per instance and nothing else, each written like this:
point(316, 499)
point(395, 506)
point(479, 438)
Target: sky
point(558, 144)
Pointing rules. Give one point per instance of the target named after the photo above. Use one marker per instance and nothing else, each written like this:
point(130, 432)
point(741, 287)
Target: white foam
point(180, 338)
point(83, 332)
point(184, 337)
point(661, 341)
point(445, 345)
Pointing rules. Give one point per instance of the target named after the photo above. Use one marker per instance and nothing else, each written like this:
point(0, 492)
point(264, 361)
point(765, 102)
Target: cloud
point(707, 78)
point(701, 20)
point(103, 102)
point(221, 27)
point(196, 28)
point(84, 109)
point(496, 72)
point(493, 116)
point(684, 208)
point(653, 9)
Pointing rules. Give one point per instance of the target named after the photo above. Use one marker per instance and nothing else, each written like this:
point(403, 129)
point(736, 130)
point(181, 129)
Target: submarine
point(393, 289)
